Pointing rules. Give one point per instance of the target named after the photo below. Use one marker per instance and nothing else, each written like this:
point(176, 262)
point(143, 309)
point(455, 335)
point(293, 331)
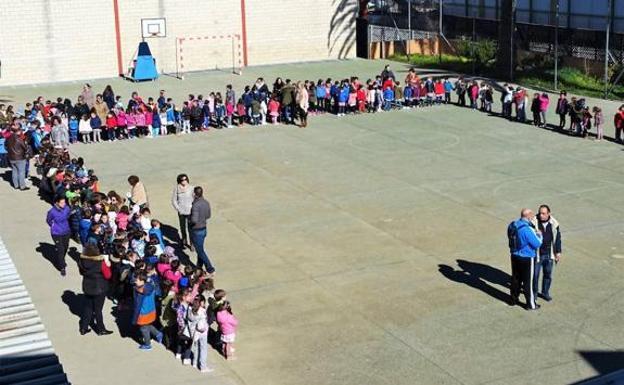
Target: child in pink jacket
point(227, 326)
point(544, 102)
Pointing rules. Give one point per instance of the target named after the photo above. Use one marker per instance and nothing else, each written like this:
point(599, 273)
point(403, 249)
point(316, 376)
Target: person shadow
point(479, 276)
point(48, 251)
point(75, 303)
point(172, 238)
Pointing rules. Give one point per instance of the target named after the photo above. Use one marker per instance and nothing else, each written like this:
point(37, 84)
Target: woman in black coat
point(95, 270)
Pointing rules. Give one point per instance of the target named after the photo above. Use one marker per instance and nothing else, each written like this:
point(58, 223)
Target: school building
point(62, 40)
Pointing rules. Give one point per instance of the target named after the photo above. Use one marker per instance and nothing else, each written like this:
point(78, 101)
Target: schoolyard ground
point(365, 249)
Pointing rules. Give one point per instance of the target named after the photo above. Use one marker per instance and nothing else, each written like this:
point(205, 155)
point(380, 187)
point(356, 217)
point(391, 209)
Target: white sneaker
point(186, 361)
point(178, 356)
point(207, 370)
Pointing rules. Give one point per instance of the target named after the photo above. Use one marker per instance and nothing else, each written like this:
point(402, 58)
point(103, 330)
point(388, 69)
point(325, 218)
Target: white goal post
point(203, 53)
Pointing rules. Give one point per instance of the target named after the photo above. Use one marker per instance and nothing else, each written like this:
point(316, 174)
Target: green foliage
point(571, 79)
point(483, 51)
point(449, 62)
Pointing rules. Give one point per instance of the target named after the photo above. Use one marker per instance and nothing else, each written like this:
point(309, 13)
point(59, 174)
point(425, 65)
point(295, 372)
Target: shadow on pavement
point(479, 276)
point(172, 236)
point(47, 251)
point(605, 363)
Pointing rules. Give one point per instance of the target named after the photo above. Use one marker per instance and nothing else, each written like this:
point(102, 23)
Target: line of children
point(257, 105)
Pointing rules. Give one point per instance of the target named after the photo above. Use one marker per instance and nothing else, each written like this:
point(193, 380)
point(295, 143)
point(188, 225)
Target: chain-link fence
point(575, 29)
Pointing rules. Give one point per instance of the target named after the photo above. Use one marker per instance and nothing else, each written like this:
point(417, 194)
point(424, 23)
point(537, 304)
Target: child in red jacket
point(361, 98)
point(274, 108)
point(439, 91)
point(111, 126)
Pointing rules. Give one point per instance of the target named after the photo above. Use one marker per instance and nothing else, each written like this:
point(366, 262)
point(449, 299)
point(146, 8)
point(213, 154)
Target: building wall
point(60, 40)
point(286, 31)
point(48, 40)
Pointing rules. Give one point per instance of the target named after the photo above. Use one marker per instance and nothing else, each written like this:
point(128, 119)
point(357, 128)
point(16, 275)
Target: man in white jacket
point(549, 253)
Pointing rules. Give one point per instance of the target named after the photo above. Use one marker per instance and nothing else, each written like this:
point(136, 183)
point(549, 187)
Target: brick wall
point(58, 40)
point(287, 31)
point(49, 40)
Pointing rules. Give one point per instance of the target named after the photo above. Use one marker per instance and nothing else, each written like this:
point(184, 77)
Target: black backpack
point(512, 236)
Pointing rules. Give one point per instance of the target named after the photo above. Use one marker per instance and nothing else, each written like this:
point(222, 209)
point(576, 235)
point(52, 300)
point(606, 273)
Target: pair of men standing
point(535, 245)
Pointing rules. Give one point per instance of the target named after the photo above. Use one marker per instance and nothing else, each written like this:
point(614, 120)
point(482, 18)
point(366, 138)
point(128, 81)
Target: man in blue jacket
point(524, 242)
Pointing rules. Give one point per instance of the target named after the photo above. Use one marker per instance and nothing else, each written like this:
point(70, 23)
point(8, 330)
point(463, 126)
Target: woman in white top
point(182, 200)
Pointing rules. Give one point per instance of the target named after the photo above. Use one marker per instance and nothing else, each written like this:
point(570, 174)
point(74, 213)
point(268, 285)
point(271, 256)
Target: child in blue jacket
point(321, 91)
point(72, 125)
point(448, 88)
point(145, 310)
point(343, 97)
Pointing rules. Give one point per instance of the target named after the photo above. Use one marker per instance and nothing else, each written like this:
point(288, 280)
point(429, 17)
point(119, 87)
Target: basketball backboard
point(153, 27)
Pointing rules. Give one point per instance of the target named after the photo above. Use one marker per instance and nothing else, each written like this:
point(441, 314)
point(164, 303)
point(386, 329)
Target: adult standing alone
point(58, 220)
point(137, 194)
point(549, 251)
point(524, 242)
point(302, 100)
point(96, 271)
point(562, 109)
point(17, 152)
point(87, 95)
point(182, 201)
point(59, 134)
point(200, 213)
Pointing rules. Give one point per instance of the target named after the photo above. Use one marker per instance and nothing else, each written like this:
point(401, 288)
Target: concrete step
point(26, 353)
point(12, 289)
point(34, 373)
point(9, 271)
point(6, 310)
point(16, 302)
point(24, 357)
point(24, 348)
point(53, 379)
point(9, 277)
point(27, 363)
point(21, 328)
point(12, 296)
point(15, 282)
point(17, 316)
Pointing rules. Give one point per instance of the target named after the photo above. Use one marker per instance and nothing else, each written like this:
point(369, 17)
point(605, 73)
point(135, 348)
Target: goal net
point(204, 53)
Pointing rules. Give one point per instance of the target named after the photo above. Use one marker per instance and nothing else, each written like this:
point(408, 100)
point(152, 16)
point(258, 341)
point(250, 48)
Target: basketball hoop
point(153, 28)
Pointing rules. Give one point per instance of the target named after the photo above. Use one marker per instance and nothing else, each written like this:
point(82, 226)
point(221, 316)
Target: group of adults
point(535, 247)
point(192, 208)
point(193, 212)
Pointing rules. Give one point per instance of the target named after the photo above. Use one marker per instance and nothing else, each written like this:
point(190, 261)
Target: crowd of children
point(172, 302)
point(581, 117)
point(106, 117)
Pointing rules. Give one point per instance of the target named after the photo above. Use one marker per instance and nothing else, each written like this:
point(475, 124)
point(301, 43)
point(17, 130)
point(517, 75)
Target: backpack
point(513, 238)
